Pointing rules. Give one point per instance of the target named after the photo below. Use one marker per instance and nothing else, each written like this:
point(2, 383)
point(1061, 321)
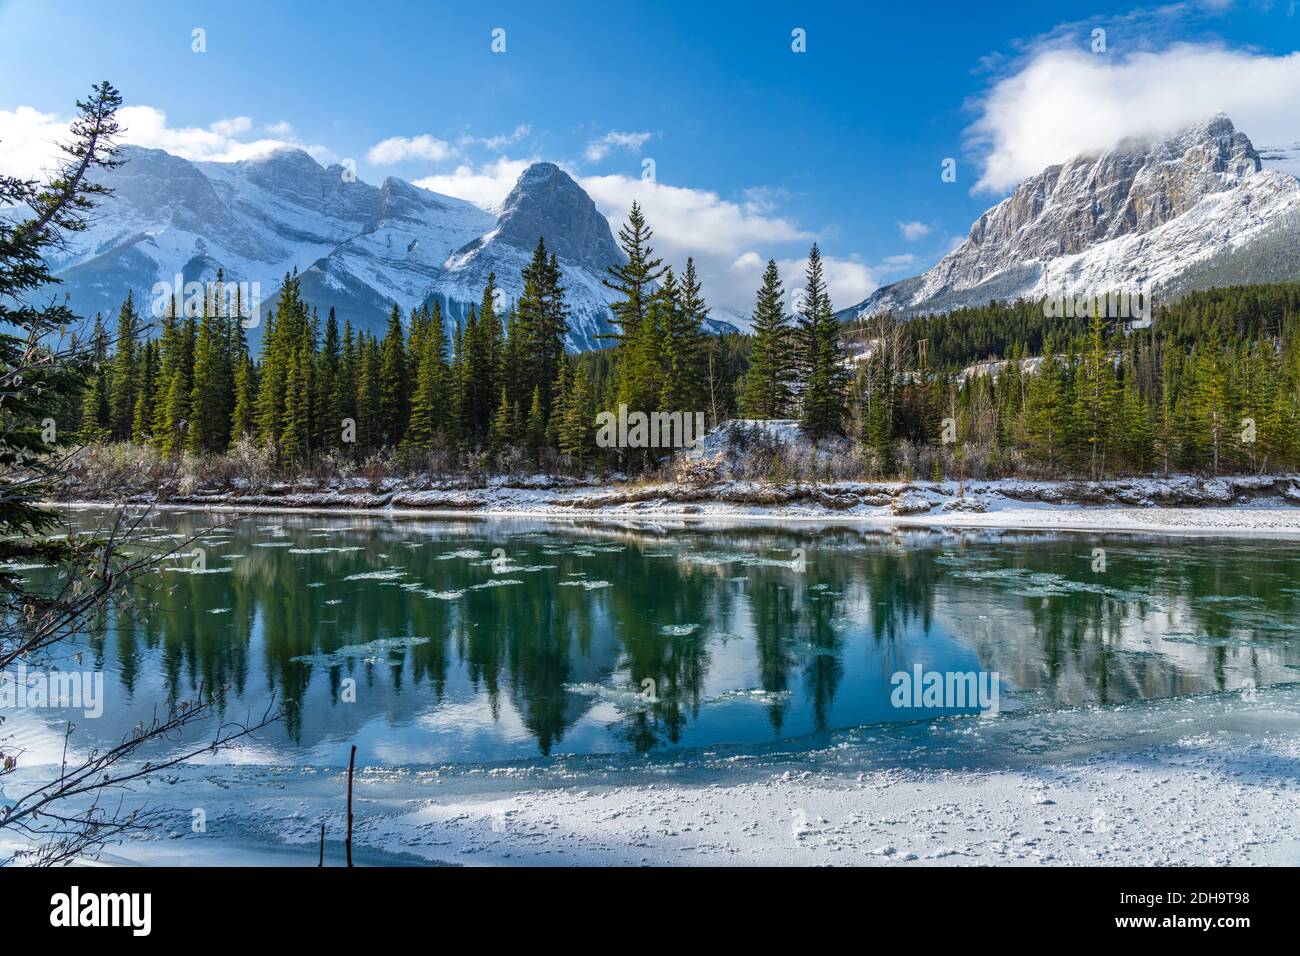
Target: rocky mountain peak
point(547, 202)
point(1132, 188)
point(1100, 218)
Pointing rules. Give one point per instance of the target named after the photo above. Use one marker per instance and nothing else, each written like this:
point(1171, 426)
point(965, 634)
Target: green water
point(409, 638)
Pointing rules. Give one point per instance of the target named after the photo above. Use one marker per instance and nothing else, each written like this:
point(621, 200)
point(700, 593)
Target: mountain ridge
point(1147, 214)
point(358, 248)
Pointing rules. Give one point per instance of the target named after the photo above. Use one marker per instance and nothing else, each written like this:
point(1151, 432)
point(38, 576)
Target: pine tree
point(535, 428)
point(394, 400)
point(821, 357)
point(578, 425)
point(329, 398)
point(1209, 406)
point(96, 416)
point(142, 419)
point(501, 433)
point(1094, 410)
point(1045, 409)
point(684, 349)
point(242, 417)
point(369, 425)
point(429, 400)
point(634, 279)
point(767, 384)
point(124, 371)
point(208, 423)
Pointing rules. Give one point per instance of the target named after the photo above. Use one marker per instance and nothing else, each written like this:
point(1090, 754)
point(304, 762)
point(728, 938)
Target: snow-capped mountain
point(359, 248)
point(1192, 211)
point(544, 202)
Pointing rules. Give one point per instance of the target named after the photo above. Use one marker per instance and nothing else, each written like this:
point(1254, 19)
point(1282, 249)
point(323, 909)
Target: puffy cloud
point(487, 185)
point(219, 142)
point(397, 149)
point(28, 138)
point(847, 280)
point(235, 126)
point(28, 141)
point(912, 231)
point(1061, 101)
point(723, 237)
point(499, 142)
point(598, 149)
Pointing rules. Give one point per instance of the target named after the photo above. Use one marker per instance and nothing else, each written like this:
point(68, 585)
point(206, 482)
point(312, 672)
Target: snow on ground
point(1255, 505)
point(1209, 780)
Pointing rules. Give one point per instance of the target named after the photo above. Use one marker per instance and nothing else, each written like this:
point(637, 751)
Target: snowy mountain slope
point(1163, 217)
point(359, 248)
point(544, 203)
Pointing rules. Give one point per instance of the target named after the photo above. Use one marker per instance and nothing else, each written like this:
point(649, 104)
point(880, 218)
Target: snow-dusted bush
point(375, 469)
point(697, 470)
point(119, 469)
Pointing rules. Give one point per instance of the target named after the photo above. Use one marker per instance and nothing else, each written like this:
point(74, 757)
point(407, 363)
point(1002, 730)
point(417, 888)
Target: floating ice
point(622, 698)
point(755, 694)
point(389, 575)
point(371, 651)
point(679, 630)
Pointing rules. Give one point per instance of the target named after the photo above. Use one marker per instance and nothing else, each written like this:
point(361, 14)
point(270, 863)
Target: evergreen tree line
point(1213, 385)
point(500, 388)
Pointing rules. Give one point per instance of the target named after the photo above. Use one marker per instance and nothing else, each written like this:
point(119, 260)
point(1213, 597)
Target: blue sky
point(757, 149)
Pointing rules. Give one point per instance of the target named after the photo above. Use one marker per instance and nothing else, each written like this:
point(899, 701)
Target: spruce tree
point(394, 400)
point(96, 416)
point(578, 425)
point(767, 383)
point(684, 348)
point(822, 357)
point(208, 422)
point(124, 371)
point(634, 279)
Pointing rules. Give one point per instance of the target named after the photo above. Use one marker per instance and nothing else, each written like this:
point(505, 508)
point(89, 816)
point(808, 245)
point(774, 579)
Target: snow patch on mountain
point(359, 248)
point(1190, 211)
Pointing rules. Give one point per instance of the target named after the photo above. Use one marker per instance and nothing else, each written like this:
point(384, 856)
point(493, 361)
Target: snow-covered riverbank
point(1256, 505)
point(1192, 781)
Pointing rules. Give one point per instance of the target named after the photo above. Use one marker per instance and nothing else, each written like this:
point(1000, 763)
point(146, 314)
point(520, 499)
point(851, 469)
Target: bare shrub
point(698, 470)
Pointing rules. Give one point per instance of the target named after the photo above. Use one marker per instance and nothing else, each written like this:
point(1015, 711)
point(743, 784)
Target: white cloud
point(486, 185)
point(396, 149)
point(28, 138)
point(911, 231)
point(235, 126)
point(282, 128)
point(904, 262)
point(730, 241)
point(1064, 101)
point(721, 235)
point(499, 142)
point(847, 280)
point(598, 149)
point(27, 141)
